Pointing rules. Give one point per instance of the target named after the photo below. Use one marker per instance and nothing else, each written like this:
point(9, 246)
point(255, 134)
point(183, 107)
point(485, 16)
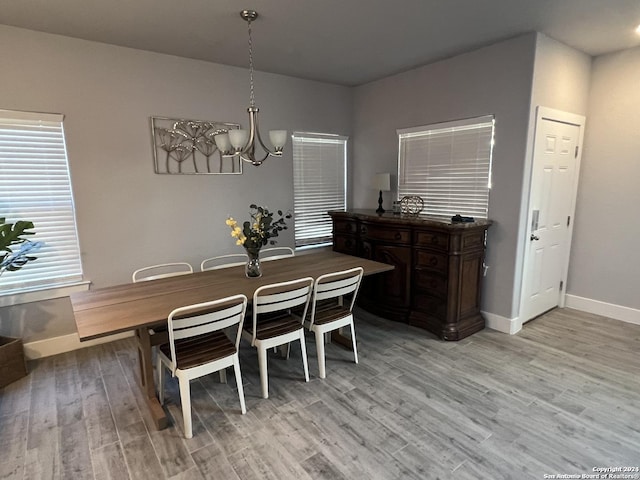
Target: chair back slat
point(163, 270)
point(224, 261)
point(184, 327)
point(337, 288)
point(281, 301)
point(276, 253)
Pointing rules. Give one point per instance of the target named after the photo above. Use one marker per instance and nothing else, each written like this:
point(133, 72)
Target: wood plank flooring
point(560, 397)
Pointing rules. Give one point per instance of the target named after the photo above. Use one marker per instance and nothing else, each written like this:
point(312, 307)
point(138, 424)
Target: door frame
point(546, 113)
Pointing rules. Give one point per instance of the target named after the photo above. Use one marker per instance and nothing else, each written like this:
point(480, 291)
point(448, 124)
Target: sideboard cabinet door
point(393, 286)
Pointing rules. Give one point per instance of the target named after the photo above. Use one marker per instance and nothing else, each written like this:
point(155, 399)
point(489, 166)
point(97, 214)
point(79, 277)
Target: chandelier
point(239, 141)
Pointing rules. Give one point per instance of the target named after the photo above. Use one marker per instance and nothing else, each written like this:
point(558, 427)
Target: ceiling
point(348, 42)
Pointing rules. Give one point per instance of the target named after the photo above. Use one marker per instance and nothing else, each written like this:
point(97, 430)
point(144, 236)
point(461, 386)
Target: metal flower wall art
point(187, 147)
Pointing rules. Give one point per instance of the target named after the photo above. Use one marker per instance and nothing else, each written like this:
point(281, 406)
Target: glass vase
point(253, 268)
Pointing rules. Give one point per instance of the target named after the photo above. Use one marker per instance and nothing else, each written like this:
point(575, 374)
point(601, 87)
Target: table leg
point(338, 337)
point(146, 378)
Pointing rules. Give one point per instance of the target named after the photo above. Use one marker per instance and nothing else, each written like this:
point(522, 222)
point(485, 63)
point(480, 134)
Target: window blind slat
point(448, 165)
point(35, 186)
point(319, 184)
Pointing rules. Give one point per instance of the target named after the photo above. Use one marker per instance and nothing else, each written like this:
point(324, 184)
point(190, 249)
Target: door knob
point(534, 237)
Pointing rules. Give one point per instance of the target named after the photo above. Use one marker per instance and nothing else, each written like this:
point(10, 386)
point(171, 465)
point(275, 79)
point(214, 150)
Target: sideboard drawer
point(345, 226)
point(438, 262)
point(345, 244)
point(473, 241)
point(431, 239)
point(385, 233)
point(432, 283)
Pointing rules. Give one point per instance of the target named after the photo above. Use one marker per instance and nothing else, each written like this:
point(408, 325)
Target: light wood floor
point(560, 397)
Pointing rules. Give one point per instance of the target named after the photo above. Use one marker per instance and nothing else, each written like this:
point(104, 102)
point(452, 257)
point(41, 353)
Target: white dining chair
point(198, 346)
point(224, 261)
point(334, 295)
point(275, 253)
point(162, 270)
point(273, 323)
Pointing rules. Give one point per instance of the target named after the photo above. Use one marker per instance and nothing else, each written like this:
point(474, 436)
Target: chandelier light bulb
point(223, 143)
point(238, 138)
point(278, 138)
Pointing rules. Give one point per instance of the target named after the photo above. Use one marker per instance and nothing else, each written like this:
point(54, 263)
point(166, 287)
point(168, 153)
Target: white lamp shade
point(222, 142)
point(382, 182)
point(238, 138)
point(278, 138)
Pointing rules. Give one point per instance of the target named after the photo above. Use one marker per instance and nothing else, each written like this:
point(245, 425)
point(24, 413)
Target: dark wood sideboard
point(436, 283)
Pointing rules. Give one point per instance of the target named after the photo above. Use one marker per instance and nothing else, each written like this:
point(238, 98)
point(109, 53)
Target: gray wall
point(127, 215)
point(493, 80)
point(605, 258)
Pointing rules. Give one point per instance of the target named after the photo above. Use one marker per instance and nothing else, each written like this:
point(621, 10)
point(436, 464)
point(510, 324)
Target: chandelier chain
point(252, 98)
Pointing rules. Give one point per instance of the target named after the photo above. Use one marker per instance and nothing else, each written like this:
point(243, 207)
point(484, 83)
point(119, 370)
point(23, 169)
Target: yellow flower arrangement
point(236, 231)
point(260, 230)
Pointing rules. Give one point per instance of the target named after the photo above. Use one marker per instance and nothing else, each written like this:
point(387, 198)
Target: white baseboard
point(610, 310)
point(65, 343)
point(502, 324)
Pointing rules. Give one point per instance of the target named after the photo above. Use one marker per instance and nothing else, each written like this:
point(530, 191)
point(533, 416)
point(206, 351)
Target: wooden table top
point(127, 307)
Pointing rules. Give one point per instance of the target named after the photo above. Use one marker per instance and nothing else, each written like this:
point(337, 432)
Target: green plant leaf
point(12, 259)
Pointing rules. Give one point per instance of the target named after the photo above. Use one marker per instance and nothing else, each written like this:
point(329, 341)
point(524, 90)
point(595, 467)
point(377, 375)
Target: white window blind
point(319, 184)
point(448, 165)
point(35, 186)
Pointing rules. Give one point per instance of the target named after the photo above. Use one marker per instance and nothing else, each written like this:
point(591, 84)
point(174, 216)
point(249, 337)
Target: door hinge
point(576, 155)
point(561, 284)
point(568, 220)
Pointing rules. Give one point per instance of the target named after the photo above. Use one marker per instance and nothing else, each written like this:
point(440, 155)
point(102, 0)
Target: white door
point(556, 160)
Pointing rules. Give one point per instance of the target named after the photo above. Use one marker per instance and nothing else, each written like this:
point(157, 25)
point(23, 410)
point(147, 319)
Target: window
point(35, 186)
point(448, 165)
point(319, 184)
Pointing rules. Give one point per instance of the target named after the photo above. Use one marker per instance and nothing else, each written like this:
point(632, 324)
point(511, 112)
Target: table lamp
point(382, 183)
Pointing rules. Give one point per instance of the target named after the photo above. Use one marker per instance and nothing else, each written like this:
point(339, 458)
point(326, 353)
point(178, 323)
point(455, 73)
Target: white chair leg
point(303, 347)
point(236, 370)
point(320, 352)
point(289, 349)
point(185, 399)
point(160, 369)
point(262, 364)
point(353, 341)
point(223, 375)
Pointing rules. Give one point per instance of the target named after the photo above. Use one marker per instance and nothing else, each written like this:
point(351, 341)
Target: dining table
point(144, 307)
